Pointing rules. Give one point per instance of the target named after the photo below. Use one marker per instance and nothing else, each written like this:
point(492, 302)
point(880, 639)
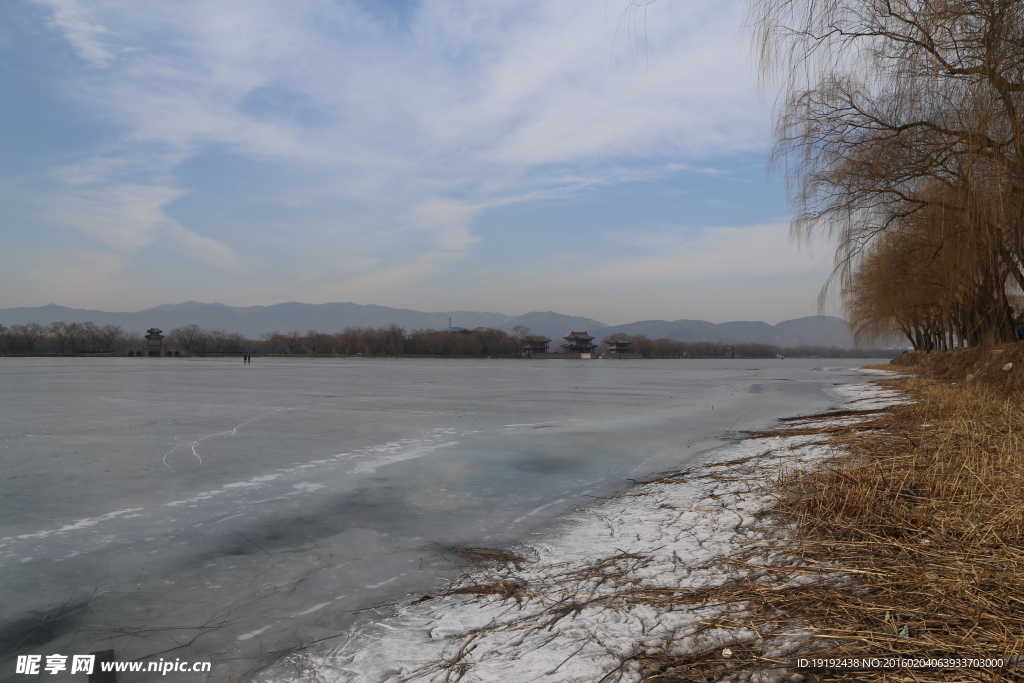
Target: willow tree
point(898, 114)
point(929, 277)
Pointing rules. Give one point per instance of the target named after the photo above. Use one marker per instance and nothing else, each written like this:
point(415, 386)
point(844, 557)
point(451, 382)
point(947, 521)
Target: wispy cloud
point(447, 221)
point(86, 34)
point(500, 88)
point(124, 218)
point(385, 141)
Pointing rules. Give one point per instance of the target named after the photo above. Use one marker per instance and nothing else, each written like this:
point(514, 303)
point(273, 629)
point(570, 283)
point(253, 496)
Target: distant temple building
point(155, 338)
point(619, 345)
point(579, 342)
point(534, 345)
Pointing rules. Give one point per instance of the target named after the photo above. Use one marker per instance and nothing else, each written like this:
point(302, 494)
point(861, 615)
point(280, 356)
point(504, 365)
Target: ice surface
point(663, 536)
point(202, 508)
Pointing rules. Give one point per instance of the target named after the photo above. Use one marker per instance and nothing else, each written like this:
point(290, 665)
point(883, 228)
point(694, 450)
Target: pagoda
point(535, 345)
point(619, 345)
point(578, 342)
point(155, 337)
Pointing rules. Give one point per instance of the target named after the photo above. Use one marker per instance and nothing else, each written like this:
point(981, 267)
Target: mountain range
point(334, 317)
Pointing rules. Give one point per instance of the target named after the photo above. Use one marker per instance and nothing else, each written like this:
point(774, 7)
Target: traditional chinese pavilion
point(534, 345)
point(579, 342)
point(155, 337)
point(618, 345)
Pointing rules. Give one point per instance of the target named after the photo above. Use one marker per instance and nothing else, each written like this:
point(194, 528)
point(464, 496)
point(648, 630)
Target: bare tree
point(275, 341)
point(30, 335)
point(59, 331)
point(27, 337)
point(327, 343)
point(108, 336)
point(74, 333)
point(189, 337)
point(393, 338)
point(131, 340)
point(926, 278)
point(313, 340)
point(101, 339)
point(293, 341)
point(217, 340)
point(905, 111)
point(92, 333)
point(349, 341)
point(519, 333)
point(235, 342)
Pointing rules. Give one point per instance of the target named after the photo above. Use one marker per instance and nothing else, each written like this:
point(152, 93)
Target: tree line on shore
point(901, 130)
point(390, 340)
point(61, 337)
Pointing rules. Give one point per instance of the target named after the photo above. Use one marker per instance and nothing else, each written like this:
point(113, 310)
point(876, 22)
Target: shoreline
point(613, 595)
point(870, 354)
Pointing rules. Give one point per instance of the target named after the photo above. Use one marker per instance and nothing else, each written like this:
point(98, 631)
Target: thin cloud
point(529, 87)
point(388, 143)
point(83, 32)
point(446, 221)
point(127, 217)
point(200, 248)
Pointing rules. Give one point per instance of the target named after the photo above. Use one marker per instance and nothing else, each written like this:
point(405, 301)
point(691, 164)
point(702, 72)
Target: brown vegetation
point(901, 132)
point(65, 338)
point(912, 546)
point(909, 545)
point(999, 368)
point(670, 348)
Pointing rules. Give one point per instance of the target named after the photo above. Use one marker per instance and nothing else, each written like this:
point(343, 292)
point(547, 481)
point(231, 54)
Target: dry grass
point(912, 545)
point(496, 565)
point(489, 557)
point(977, 365)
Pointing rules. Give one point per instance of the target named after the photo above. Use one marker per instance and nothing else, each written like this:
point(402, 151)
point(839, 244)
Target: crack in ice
point(195, 444)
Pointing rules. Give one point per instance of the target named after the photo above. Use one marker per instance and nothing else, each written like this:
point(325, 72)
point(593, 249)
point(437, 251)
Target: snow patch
point(253, 634)
point(86, 523)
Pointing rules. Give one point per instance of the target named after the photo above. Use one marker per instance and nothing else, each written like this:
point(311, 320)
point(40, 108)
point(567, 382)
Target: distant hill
point(555, 325)
point(810, 331)
point(254, 320)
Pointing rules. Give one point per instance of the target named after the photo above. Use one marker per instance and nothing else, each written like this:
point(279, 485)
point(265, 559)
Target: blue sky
point(581, 156)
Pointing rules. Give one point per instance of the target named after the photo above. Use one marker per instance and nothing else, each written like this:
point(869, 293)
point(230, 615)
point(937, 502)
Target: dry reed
point(909, 546)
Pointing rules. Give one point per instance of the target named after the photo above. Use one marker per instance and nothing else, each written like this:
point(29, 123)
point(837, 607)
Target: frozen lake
point(204, 509)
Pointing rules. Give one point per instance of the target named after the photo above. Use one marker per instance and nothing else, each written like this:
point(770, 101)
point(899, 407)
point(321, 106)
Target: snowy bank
point(625, 583)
